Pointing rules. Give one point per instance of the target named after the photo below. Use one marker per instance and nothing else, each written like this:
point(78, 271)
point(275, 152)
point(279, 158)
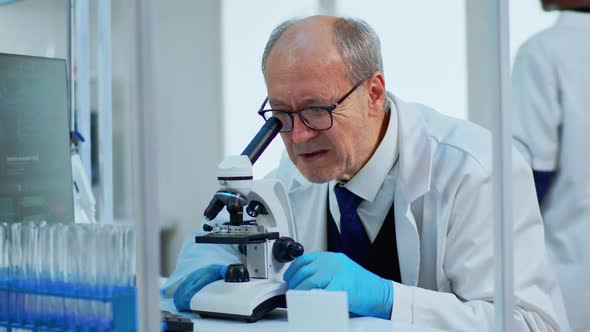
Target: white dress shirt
point(374, 183)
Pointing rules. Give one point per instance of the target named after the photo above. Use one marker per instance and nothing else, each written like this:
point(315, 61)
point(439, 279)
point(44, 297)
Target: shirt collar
point(574, 19)
point(367, 182)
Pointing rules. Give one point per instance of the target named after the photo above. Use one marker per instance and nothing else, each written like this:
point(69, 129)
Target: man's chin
point(315, 176)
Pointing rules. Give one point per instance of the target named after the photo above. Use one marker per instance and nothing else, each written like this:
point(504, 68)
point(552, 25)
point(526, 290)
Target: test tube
point(119, 255)
point(41, 302)
point(114, 252)
point(71, 275)
point(49, 304)
point(79, 272)
point(59, 274)
point(4, 274)
point(16, 263)
point(130, 255)
point(91, 274)
point(104, 269)
point(30, 243)
point(26, 233)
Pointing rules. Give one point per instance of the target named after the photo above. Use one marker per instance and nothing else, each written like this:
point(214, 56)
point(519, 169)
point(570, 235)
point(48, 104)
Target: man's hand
point(194, 282)
point(368, 294)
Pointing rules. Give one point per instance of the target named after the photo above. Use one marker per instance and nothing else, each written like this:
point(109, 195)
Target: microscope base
point(260, 311)
point(248, 301)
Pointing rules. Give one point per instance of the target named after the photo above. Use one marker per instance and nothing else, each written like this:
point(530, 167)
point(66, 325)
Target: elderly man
point(392, 201)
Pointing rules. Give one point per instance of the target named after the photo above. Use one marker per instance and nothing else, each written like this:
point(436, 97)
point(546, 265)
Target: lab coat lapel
point(415, 161)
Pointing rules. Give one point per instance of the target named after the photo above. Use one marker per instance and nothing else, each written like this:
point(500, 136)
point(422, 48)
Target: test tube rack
point(122, 300)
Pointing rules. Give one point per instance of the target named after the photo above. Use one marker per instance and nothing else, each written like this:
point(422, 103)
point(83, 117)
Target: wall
point(423, 47)
point(35, 27)
point(246, 28)
point(189, 104)
point(526, 18)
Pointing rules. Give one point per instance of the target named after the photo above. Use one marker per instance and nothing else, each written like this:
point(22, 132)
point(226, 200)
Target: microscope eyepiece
point(265, 135)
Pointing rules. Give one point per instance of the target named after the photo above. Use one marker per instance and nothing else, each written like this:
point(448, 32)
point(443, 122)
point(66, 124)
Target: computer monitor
point(35, 161)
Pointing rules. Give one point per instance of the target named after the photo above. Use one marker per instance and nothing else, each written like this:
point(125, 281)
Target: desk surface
point(277, 321)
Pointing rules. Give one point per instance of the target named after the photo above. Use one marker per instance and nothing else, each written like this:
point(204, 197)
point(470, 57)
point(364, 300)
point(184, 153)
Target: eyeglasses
point(316, 118)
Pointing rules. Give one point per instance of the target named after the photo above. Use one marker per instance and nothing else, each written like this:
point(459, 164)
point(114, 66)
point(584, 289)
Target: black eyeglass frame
point(291, 114)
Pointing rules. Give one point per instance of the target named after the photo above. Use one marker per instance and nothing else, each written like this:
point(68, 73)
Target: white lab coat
point(444, 229)
point(551, 114)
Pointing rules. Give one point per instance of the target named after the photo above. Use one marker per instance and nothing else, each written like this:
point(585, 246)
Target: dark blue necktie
point(354, 240)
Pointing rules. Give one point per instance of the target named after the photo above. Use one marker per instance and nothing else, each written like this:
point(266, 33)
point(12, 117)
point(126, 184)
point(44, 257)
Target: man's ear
point(377, 93)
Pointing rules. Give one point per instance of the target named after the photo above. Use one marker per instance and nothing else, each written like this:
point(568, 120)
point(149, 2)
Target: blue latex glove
point(194, 282)
point(368, 294)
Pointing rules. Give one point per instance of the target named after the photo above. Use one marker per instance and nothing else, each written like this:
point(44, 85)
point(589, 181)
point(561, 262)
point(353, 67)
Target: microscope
point(267, 240)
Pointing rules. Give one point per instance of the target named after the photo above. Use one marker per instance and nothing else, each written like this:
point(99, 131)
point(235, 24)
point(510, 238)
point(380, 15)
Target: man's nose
point(301, 132)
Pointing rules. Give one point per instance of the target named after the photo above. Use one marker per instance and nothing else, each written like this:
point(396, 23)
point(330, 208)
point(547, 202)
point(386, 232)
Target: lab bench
point(277, 321)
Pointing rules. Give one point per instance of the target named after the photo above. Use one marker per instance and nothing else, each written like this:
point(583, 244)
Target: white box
point(317, 310)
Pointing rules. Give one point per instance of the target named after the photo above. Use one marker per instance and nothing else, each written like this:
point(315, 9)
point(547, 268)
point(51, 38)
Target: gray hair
point(356, 41)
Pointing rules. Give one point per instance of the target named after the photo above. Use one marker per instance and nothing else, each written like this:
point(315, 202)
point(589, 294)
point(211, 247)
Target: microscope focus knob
point(237, 273)
point(285, 249)
point(255, 208)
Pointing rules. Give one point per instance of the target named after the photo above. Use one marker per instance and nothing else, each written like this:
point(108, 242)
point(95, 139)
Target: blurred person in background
point(551, 117)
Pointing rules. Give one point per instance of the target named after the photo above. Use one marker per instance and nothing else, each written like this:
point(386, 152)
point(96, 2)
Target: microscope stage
point(234, 238)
